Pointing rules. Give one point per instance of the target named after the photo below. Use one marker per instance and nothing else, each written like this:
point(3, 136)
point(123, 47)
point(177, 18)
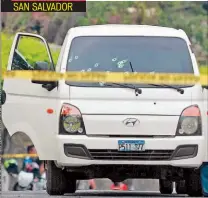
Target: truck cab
point(86, 130)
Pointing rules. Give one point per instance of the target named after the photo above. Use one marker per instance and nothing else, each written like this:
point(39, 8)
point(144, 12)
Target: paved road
point(88, 194)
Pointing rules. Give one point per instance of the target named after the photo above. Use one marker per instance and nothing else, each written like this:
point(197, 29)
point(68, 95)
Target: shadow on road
point(122, 194)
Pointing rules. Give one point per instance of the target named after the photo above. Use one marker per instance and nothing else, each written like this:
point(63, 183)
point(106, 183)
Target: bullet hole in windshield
point(70, 60)
point(124, 61)
point(96, 65)
point(114, 59)
point(89, 69)
point(121, 64)
point(83, 70)
point(76, 57)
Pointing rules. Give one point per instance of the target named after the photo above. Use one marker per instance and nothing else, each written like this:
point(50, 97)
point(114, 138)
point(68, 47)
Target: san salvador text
point(43, 7)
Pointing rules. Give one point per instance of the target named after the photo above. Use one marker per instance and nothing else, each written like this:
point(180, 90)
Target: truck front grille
point(103, 154)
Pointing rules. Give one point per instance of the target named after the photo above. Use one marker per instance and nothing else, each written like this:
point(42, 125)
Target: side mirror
point(44, 66)
point(205, 86)
point(41, 66)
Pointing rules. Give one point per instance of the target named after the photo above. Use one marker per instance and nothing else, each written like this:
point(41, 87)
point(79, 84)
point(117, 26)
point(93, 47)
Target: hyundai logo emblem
point(131, 122)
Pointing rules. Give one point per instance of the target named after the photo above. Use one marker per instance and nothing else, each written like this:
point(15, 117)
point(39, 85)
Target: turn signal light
point(191, 111)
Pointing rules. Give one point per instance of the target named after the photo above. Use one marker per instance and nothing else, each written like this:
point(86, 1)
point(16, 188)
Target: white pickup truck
point(88, 130)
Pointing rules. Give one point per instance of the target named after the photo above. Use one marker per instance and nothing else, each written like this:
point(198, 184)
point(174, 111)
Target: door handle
point(3, 97)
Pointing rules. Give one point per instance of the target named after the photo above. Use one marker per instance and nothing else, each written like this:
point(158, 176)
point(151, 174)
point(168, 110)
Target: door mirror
point(42, 66)
point(205, 86)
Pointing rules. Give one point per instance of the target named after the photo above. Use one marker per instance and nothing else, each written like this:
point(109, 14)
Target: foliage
point(203, 70)
point(189, 16)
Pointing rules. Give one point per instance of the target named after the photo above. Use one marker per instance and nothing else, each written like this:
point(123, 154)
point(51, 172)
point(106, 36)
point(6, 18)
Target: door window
point(28, 52)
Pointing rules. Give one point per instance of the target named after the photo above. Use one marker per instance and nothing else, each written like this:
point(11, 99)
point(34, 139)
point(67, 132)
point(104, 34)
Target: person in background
point(130, 184)
point(33, 164)
point(204, 179)
point(125, 185)
point(10, 176)
point(11, 166)
point(204, 172)
point(37, 27)
point(86, 185)
point(92, 184)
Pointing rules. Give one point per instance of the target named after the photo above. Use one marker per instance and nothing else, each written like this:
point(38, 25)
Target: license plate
point(131, 145)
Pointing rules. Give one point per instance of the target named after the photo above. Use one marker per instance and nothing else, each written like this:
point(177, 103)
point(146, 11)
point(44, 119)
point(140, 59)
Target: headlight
point(189, 122)
point(72, 124)
point(71, 121)
point(189, 125)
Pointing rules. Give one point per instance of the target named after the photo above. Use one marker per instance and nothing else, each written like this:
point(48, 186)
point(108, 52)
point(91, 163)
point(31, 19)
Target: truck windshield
point(116, 53)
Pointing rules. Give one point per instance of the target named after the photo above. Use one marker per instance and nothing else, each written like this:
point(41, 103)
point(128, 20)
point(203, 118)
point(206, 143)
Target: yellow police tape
point(19, 155)
point(111, 77)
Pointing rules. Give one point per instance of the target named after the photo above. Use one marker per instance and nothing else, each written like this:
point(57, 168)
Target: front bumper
point(175, 151)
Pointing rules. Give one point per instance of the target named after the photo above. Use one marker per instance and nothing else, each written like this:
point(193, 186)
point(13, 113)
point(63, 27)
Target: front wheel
point(193, 184)
point(180, 187)
point(58, 182)
point(166, 186)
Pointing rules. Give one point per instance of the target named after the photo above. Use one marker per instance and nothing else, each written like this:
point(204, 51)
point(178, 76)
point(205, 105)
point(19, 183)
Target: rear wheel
point(166, 186)
point(58, 182)
point(180, 187)
point(193, 184)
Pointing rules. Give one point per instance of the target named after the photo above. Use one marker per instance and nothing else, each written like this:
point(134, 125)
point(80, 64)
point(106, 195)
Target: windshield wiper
point(136, 89)
point(169, 86)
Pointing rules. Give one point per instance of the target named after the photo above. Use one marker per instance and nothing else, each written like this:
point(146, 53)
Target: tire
point(166, 186)
point(71, 185)
point(193, 184)
point(180, 187)
point(57, 181)
point(77, 184)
